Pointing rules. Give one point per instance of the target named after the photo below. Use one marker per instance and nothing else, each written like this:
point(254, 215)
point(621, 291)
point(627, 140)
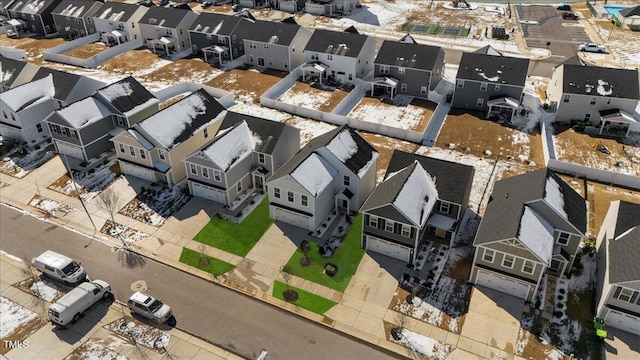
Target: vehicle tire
point(107, 295)
point(75, 319)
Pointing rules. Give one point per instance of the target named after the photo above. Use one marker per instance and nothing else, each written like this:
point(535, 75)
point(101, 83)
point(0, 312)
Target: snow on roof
point(116, 91)
point(72, 10)
point(536, 234)
point(314, 174)
point(29, 94)
point(137, 108)
point(343, 146)
point(166, 125)
point(417, 196)
point(604, 88)
point(144, 142)
point(84, 112)
point(554, 197)
point(109, 14)
point(484, 76)
point(232, 146)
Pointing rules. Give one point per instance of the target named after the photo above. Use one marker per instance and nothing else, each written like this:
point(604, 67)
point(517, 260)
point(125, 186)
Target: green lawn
point(347, 258)
point(235, 238)
point(306, 300)
point(215, 267)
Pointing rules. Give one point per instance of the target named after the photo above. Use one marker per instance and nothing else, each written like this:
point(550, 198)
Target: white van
point(69, 307)
point(60, 267)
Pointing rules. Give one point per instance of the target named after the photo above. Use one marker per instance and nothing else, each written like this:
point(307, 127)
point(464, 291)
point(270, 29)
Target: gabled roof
point(28, 94)
point(126, 95)
point(600, 81)
point(116, 11)
point(628, 217)
point(217, 24)
point(336, 42)
point(408, 39)
point(83, 112)
point(267, 132)
point(314, 174)
point(488, 50)
point(278, 33)
point(536, 233)
point(74, 8)
point(289, 20)
point(495, 69)
point(632, 11)
point(231, 146)
point(452, 179)
point(165, 17)
point(408, 55)
point(178, 122)
point(9, 70)
point(623, 255)
point(34, 7)
point(506, 206)
point(575, 60)
point(6, 3)
point(63, 81)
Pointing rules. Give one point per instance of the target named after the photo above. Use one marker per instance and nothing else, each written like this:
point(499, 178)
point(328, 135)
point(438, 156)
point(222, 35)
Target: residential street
point(228, 319)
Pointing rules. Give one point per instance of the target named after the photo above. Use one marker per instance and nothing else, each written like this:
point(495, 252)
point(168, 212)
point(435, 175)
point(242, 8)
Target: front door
point(440, 233)
point(260, 61)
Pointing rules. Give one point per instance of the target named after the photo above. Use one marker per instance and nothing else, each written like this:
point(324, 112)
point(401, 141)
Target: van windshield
point(155, 306)
point(71, 268)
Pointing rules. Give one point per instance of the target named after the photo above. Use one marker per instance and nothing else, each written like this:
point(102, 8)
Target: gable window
point(261, 158)
point(384, 69)
point(276, 192)
point(216, 175)
point(161, 154)
point(142, 154)
point(305, 200)
point(194, 169)
point(290, 196)
point(563, 238)
point(592, 101)
point(347, 180)
point(445, 207)
point(423, 90)
point(566, 98)
point(132, 151)
point(483, 86)
point(508, 260)
point(239, 186)
point(122, 150)
point(528, 267)
point(460, 84)
point(400, 70)
point(406, 230)
point(389, 225)
point(373, 221)
point(488, 255)
point(205, 172)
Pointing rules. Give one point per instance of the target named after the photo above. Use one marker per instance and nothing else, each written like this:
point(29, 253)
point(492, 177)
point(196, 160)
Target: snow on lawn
point(421, 344)
point(259, 111)
point(122, 233)
point(153, 205)
point(45, 290)
point(304, 99)
point(50, 206)
point(623, 44)
point(95, 349)
point(403, 117)
point(13, 317)
point(140, 333)
point(20, 165)
point(88, 184)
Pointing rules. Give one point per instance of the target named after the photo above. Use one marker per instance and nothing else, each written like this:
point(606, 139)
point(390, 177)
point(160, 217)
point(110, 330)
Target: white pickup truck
point(69, 307)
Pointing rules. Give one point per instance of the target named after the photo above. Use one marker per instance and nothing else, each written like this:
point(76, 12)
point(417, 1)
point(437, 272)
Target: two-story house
point(166, 30)
point(15, 72)
point(74, 18)
point(340, 56)
point(129, 101)
point(602, 97)
point(618, 275)
point(155, 148)
point(419, 197)
point(331, 7)
point(408, 68)
point(218, 36)
point(117, 22)
point(35, 15)
point(533, 225)
point(491, 83)
point(275, 45)
point(334, 171)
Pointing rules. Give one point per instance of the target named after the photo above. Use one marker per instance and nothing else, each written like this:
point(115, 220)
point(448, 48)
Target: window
point(592, 101)
point(347, 180)
point(389, 225)
point(483, 86)
point(142, 154)
point(403, 87)
point(563, 238)
point(623, 294)
point(305, 200)
point(497, 87)
point(423, 90)
point(350, 76)
point(252, 44)
point(132, 151)
point(406, 230)
point(329, 57)
point(290, 196)
point(56, 129)
point(445, 207)
point(488, 255)
point(39, 127)
point(314, 56)
point(161, 154)
point(384, 69)
point(216, 175)
point(239, 186)
point(460, 84)
point(373, 221)
point(206, 133)
point(608, 101)
point(566, 98)
point(122, 150)
point(261, 158)
point(205, 172)
point(480, 102)
point(233, 39)
point(194, 169)
point(528, 267)
point(400, 70)
point(4, 113)
point(276, 193)
point(507, 261)
point(251, 58)
point(266, 46)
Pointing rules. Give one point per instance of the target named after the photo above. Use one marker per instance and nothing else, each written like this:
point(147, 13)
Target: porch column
point(373, 86)
point(392, 92)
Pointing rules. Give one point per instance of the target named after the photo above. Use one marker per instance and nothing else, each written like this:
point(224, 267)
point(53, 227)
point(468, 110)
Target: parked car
point(69, 307)
point(60, 267)
point(564, 7)
point(12, 34)
point(149, 307)
point(569, 16)
point(591, 47)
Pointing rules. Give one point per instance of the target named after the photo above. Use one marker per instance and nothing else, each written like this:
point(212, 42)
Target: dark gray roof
point(453, 180)
point(488, 50)
point(628, 217)
point(213, 23)
point(165, 17)
point(600, 81)
point(116, 10)
point(635, 10)
point(271, 32)
point(5, 3)
point(139, 94)
point(501, 219)
point(575, 60)
point(63, 81)
point(268, 131)
point(381, 199)
point(70, 8)
point(32, 6)
point(9, 70)
point(496, 69)
point(329, 42)
point(624, 253)
point(408, 55)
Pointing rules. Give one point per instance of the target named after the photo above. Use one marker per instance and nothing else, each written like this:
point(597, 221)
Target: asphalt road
point(223, 317)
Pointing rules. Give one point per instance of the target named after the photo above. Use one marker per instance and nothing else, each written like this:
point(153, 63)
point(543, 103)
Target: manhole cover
point(139, 285)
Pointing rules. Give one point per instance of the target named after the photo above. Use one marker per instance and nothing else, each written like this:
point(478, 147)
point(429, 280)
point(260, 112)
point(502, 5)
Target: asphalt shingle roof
point(628, 217)
point(278, 33)
point(212, 23)
point(267, 130)
point(139, 94)
point(632, 11)
point(408, 55)
point(624, 253)
point(9, 70)
point(600, 81)
point(165, 17)
point(329, 42)
point(74, 8)
point(116, 11)
point(31, 6)
point(495, 69)
point(381, 199)
point(63, 81)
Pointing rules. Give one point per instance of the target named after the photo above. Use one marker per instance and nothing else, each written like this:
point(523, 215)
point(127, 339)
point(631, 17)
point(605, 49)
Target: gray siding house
point(4, 9)
point(603, 98)
point(74, 18)
point(275, 45)
point(15, 72)
point(334, 171)
point(491, 83)
point(533, 226)
point(129, 101)
point(218, 37)
point(407, 68)
point(117, 22)
point(155, 148)
point(241, 159)
point(165, 31)
point(618, 274)
point(35, 15)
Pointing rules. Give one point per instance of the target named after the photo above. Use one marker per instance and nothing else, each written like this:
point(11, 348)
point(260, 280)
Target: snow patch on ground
point(46, 290)
point(13, 316)
point(403, 117)
point(303, 98)
point(142, 334)
point(424, 345)
point(49, 206)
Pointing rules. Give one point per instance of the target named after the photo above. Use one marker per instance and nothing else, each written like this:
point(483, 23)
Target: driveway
point(492, 324)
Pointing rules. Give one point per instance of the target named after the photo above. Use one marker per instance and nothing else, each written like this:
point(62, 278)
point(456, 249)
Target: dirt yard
point(385, 146)
point(413, 116)
point(304, 95)
point(87, 51)
point(248, 85)
point(467, 130)
point(33, 47)
point(435, 14)
point(130, 62)
point(194, 70)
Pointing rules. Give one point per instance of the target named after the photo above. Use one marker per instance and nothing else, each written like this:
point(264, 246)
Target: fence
point(11, 53)
point(224, 97)
point(57, 53)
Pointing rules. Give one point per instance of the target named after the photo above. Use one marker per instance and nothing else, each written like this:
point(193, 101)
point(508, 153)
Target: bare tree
point(33, 276)
point(204, 260)
point(109, 201)
point(288, 295)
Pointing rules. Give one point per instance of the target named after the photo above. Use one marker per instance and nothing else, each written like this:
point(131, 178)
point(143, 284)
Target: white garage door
point(137, 171)
point(503, 284)
point(69, 149)
point(623, 321)
point(388, 248)
point(207, 192)
point(291, 217)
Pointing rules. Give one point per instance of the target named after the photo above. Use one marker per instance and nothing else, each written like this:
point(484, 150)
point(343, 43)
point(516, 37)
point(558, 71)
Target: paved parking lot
point(541, 24)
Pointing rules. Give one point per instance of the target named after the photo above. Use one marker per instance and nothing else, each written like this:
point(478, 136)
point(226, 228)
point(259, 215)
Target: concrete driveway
point(492, 324)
